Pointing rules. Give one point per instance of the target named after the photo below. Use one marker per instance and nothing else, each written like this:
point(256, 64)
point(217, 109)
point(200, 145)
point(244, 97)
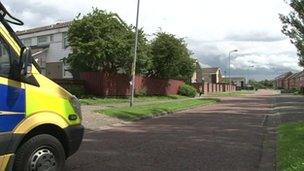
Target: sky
point(210, 28)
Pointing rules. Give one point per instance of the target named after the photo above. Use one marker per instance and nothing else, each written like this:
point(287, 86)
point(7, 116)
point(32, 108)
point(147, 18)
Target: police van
point(40, 122)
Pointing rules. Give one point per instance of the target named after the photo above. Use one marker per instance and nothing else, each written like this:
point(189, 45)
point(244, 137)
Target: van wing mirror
point(26, 62)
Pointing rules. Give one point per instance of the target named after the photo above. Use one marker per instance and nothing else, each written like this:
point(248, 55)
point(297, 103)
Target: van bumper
point(74, 137)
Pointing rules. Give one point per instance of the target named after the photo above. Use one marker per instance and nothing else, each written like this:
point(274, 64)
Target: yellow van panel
point(9, 39)
point(4, 161)
point(40, 119)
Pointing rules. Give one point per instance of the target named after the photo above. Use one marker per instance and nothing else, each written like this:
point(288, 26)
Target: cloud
point(210, 29)
point(258, 59)
point(255, 37)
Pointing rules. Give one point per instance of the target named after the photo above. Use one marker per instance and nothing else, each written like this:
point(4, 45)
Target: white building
point(49, 46)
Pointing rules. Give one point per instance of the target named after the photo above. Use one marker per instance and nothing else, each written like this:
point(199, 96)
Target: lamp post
point(135, 57)
point(251, 66)
point(233, 51)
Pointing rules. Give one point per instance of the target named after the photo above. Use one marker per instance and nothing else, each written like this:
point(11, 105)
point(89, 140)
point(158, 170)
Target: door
point(213, 78)
point(12, 93)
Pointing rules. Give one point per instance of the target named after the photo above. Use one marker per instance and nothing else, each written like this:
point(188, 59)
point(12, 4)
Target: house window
point(42, 40)
point(51, 38)
point(27, 42)
point(65, 40)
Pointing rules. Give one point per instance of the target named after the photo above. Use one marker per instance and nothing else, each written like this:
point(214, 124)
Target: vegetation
point(171, 58)
point(101, 41)
point(77, 90)
point(291, 147)
point(264, 84)
point(231, 94)
point(293, 26)
point(155, 109)
point(121, 100)
point(187, 90)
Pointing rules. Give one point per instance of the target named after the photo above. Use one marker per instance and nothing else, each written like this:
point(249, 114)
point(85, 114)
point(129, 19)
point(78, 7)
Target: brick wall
point(105, 84)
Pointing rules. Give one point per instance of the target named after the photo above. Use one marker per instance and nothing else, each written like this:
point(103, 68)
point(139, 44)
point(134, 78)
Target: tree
point(264, 84)
point(171, 58)
point(101, 41)
point(293, 27)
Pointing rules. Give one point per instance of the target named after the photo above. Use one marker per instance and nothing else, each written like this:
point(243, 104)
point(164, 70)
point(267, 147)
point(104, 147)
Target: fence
point(212, 88)
point(105, 84)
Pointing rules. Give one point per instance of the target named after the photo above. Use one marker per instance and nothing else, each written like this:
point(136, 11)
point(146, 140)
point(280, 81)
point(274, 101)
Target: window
point(51, 38)
point(6, 58)
point(27, 42)
point(65, 40)
point(42, 40)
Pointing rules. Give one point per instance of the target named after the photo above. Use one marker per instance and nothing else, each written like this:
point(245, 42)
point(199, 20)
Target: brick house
point(290, 82)
point(299, 80)
point(212, 75)
point(280, 81)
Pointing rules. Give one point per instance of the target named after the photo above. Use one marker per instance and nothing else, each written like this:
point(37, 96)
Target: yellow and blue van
point(40, 122)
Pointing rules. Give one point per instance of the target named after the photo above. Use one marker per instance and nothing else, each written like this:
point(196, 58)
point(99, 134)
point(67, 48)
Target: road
point(226, 136)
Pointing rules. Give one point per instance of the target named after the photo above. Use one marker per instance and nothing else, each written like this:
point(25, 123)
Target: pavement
point(231, 135)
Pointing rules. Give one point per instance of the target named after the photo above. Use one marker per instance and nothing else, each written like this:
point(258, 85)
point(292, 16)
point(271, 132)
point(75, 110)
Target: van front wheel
point(42, 152)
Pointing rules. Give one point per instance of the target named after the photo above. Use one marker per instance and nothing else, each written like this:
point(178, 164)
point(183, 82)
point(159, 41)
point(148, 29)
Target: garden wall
point(105, 84)
point(212, 88)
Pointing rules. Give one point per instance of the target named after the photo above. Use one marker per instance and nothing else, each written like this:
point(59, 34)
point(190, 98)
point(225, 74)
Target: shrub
point(77, 90)
point(142, 92)
point(187, 90)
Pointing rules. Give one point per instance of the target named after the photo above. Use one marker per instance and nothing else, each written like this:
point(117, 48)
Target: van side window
point(6, 60)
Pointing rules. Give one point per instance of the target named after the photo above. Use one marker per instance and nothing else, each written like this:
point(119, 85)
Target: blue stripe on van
point(9, 122)
point(12, 100)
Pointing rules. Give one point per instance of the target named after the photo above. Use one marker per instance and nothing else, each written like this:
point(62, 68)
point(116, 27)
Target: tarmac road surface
point(225, 136)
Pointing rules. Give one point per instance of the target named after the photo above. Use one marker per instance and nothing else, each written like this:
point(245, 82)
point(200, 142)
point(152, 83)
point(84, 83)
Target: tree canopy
point(293, 26)
point(101, 41)
point(264, 84)
point(171, 58)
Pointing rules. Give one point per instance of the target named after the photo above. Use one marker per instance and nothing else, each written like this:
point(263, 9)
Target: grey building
point(49, 47)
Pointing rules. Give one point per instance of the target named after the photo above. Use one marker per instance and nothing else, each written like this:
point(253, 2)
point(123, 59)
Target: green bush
point(77, 90)
point(142, 92)
point(187, 90)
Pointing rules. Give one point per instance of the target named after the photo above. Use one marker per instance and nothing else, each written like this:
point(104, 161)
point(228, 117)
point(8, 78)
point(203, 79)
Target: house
point(289, 82)
point(280, 82)
point(212, 75)
point(198, 73)
point(49, 47)
point(299, 80)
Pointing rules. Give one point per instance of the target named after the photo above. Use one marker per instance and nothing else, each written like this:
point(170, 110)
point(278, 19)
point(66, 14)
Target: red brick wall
point(104, 84)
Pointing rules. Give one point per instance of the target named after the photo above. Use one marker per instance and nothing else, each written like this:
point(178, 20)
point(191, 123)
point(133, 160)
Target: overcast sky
point(211, 28)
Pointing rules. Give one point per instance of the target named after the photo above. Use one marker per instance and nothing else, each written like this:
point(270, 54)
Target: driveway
point(225, 136)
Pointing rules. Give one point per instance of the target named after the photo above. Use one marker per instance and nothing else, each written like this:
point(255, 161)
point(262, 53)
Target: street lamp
point(233, 51)
point(135, 57)
point(251, 66)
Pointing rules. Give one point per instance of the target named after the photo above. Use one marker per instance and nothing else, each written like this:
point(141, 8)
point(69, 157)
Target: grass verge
point(231, 94)
point(114, 100)
point(155, 109)
point(291, 147)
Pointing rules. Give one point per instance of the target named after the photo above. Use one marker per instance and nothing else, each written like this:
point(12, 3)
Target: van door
point(12, 93)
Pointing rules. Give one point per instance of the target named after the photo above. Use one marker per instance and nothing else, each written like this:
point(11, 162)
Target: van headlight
point(76, 106)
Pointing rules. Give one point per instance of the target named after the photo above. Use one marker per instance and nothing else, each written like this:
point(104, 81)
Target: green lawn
point(115, 100)
point(155, 109)
point(231, 94)
point(290, 154)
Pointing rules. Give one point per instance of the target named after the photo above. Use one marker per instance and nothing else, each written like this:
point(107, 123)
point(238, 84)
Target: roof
point(44, 28)
point(287, 74)
point(301, 74)
point(210, 70)
point(292, 76)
